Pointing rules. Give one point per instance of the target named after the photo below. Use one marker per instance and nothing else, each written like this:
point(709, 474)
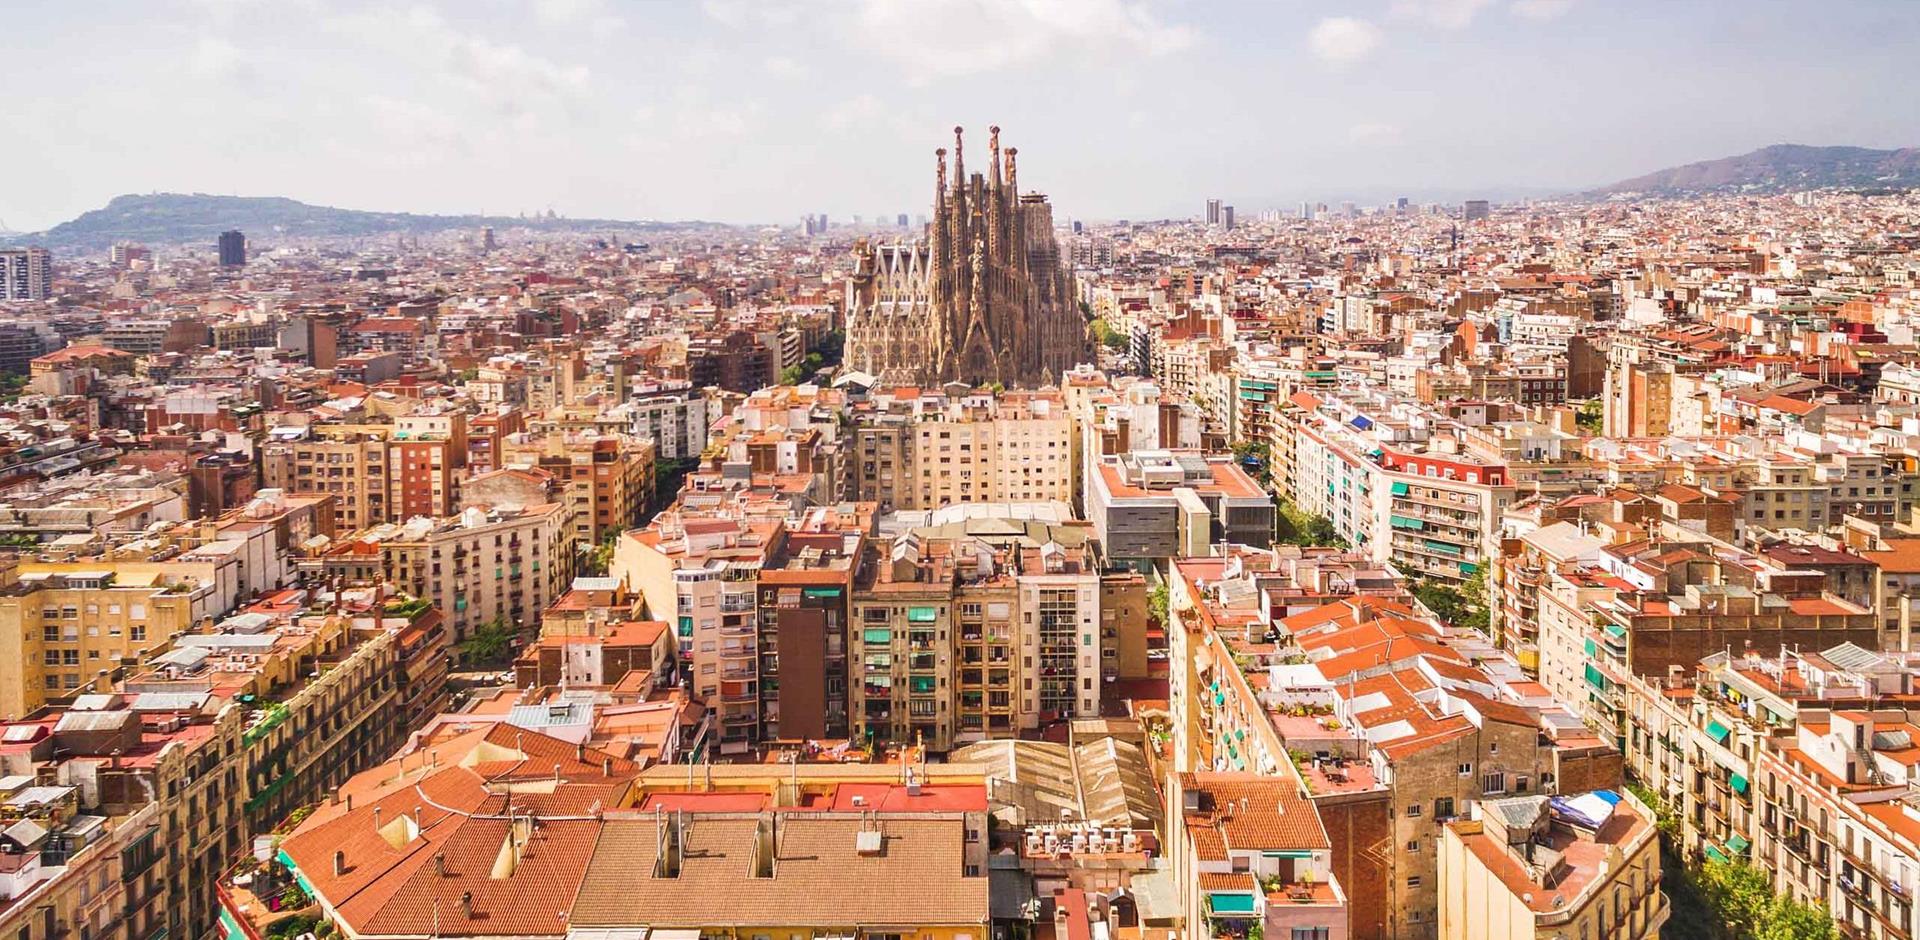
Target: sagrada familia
point(983, 298)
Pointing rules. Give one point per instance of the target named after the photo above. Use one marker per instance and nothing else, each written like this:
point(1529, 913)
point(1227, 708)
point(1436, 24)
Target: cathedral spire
point(993, 147)
point(959, 163)
point(1013, 182)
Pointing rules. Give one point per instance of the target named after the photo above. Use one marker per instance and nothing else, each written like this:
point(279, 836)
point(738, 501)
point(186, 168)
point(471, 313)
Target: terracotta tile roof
point(1252, 813)
point(449, 802)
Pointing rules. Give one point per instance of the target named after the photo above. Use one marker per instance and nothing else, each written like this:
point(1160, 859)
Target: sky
point(760, 110)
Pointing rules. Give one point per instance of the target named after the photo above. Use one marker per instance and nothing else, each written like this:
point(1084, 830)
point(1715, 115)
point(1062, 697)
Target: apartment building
point(1648, 607)
point(804, 596)
point(478, 567)
point(63, 633)
point(1392, 725)
point(1249, 855)
point(970, 629)
point(1798, 762)
point(675, 421)
point(1553, 867)
point(347, 462)
point(26, 274)
point(920, 449)
point(607, 478)
point(705, 570)
point(1147, 506)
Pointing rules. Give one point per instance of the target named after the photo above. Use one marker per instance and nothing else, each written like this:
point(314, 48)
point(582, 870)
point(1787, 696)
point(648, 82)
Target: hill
point(171, 218)
point(1779, 168)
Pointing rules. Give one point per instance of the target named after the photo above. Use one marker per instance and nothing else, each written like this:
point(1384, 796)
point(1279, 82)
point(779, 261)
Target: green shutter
point(1739, 786)
point(1398, 489)
point(822, 592)
point(921, 614)
point(1718, 732)
point(877, 635)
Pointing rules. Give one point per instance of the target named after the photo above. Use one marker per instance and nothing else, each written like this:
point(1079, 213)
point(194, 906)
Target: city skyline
point(760, 112)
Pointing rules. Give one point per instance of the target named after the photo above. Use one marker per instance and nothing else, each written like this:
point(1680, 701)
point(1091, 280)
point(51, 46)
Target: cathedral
point(982, 298)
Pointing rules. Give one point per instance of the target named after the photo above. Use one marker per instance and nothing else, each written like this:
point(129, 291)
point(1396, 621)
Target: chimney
point(349, 802)
point(440, 864)
point(606, 766)
point(466, 904)
point(339, 863)
point(376, 817)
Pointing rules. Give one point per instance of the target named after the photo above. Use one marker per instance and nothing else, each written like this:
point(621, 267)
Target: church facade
point(982, 298)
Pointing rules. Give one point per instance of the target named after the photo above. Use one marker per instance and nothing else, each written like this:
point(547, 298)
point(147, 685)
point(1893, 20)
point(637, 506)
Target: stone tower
point(982, 298)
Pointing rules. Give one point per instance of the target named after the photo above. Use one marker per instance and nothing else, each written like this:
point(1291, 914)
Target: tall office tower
point(1226, 217)
point(1348, 210)
point(901, 221)
point(1213, 212)
point(985, 298)
point(487, 241)
point(233, 249)
point(1400, 206)
point(26, 274)
point(1477, 209)
point(1306, 211)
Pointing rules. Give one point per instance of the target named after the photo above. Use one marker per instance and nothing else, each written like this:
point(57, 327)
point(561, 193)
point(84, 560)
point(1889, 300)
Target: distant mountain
point(1782, 167)
point(170, 218)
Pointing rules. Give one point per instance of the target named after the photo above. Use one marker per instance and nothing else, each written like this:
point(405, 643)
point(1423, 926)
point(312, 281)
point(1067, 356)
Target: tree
point(793, 375)
point(1253, 457)
point(1109, 337)
point(1792, 920)
point(1591, 417)
point(1298, 527)
point(1157, 600)
point(489, 644)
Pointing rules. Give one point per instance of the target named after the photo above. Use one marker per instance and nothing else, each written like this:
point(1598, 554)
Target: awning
point(917, 615)
point(876, 635)
point(1289, 853)
point(1737, 844)
point(687, 934)
point(1616, 631)
point(1718, 732)
point(1399, 489)
point(1713, 852)
point(1739, 786)
point(1222, 902)
point(1595, 678)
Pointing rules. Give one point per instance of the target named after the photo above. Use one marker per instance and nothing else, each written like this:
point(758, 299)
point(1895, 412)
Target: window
point(1309, 933)
point(1413, 809)
point(1495, 782)
point(1413, 881)
point(1466, 770)
point(1413, 846)
point(1443, 807)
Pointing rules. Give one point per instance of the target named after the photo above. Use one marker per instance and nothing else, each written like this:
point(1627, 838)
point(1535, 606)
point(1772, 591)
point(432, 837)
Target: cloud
point(1446, 14)
point(1541, 9)
point(514, 82)
point(781, 66)
point(1373, 133)
point(945, 38)
point(595, 16)
point(860, 111)
point(746, 14)
point(214, 57)
point(1343, 39)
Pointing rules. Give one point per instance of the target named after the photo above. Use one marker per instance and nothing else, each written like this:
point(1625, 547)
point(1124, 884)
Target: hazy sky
point(744, 110)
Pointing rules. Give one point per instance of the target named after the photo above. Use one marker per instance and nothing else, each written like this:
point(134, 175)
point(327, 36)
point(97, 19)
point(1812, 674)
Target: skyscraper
point(985, 298)
point(26, 274)
point(1226, 217)
point(233, 249)
point(1476, 209)
point(1213, 212)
